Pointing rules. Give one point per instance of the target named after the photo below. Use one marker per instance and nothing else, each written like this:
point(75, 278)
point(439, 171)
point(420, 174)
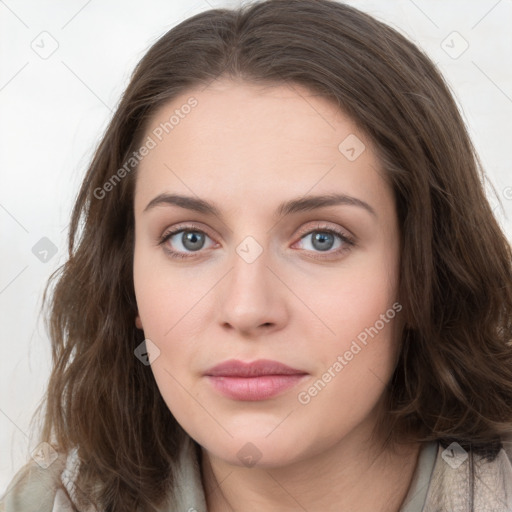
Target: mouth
point(258, 380)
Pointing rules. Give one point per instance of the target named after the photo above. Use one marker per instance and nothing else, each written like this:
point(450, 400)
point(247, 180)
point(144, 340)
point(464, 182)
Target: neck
point(348, 476)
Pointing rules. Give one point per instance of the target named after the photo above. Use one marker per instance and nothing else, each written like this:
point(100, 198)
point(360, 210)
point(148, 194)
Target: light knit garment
point(440, 483)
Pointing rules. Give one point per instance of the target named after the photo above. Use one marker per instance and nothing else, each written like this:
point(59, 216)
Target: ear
point(138, 322)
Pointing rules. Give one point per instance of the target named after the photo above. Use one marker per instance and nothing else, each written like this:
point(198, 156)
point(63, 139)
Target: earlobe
point(138, 322)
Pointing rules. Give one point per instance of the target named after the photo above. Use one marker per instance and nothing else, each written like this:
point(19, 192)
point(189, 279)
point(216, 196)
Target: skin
point(246, 148)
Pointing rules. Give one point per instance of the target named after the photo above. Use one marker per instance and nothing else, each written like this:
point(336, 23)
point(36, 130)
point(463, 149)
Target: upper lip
point(236, 368)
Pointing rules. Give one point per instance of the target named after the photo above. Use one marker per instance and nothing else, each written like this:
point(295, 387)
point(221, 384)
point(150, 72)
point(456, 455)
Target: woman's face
point(265, 268)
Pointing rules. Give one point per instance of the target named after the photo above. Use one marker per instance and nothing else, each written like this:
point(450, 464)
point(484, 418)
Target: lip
point(254, 381)
point(236, 368)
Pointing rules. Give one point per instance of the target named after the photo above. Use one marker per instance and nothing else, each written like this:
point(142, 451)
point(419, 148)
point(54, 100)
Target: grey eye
point(192, 240)
point(322, 241)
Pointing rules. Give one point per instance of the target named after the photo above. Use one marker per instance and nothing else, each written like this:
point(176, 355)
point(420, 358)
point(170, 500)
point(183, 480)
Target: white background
point(54, 110)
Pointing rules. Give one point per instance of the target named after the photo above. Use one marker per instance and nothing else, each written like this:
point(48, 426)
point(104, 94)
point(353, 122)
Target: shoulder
point(36, 487)
point(461, 479)
point(507, 446)
point(54, 489)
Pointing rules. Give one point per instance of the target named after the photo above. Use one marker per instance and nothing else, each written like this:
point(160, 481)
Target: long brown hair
point(453, 380)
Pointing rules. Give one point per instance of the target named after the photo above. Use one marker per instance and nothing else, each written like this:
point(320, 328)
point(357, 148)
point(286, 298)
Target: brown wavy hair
point(453, 379)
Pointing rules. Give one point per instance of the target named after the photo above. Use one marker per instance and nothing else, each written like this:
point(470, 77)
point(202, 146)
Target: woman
point(286, 289)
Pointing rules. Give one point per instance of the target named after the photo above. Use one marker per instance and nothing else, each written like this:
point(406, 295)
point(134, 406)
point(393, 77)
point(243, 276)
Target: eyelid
point(320, 225)
point(342, 233)
point(303, 231)
point(185, 226)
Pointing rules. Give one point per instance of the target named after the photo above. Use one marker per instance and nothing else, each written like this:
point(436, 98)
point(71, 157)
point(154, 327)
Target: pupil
point(322, 238)
point(192, 240)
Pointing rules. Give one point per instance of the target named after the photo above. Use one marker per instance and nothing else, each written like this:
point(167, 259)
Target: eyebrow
point(301, 204)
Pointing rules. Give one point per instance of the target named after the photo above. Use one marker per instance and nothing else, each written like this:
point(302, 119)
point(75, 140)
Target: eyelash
point(347, 240)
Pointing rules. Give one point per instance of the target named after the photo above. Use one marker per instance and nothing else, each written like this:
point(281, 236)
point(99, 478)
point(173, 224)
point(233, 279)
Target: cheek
point(354, 370)
point(169, 318)
point(363, 341)
point(167, 297)
point(172, 314)
point(353, 302)
point(357, 348)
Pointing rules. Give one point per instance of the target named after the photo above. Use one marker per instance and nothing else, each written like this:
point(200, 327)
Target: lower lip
point(254, 388)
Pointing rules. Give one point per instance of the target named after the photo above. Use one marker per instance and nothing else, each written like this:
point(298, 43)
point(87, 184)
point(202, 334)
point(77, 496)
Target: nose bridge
point(249, 274)
point(248, 298)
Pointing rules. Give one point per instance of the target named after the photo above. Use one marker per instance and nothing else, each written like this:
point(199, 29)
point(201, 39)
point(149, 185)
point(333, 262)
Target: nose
point(252, 297)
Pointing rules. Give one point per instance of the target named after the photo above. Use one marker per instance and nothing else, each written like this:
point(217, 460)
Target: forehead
point(258, 140)
point(246, 112)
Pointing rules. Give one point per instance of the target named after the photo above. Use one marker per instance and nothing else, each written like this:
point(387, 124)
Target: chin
point(254, 449)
